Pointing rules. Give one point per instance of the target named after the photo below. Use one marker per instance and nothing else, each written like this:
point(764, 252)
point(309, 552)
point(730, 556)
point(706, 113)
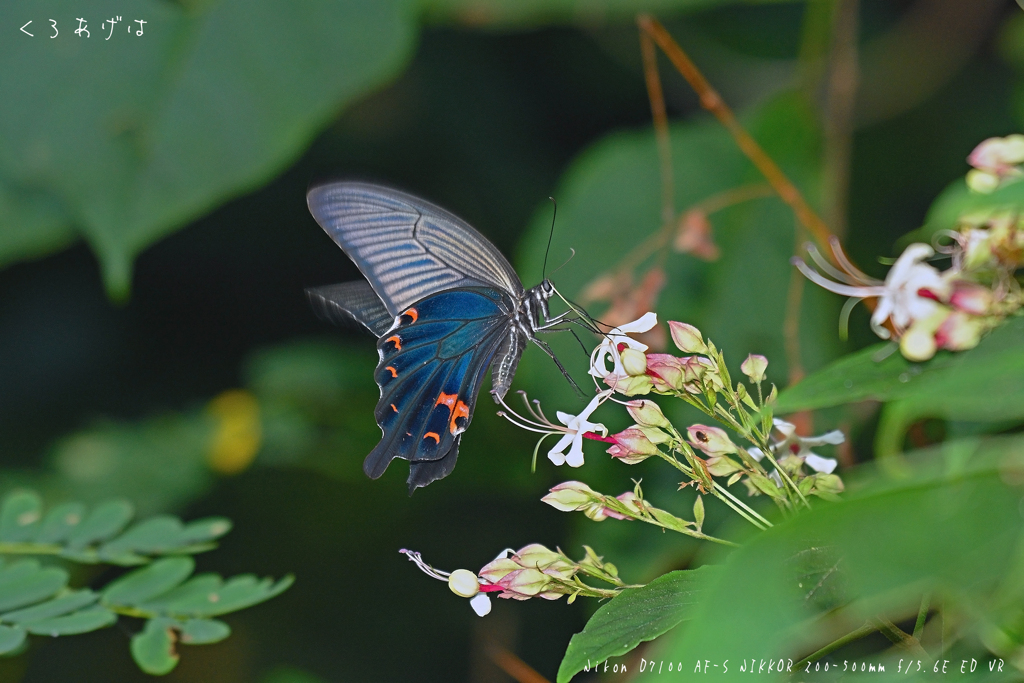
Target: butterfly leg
point(547, 349)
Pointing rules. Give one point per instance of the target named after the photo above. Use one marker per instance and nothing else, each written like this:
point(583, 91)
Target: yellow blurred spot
point(237, 437)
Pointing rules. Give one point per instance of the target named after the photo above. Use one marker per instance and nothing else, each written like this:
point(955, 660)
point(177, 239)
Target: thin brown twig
point(657, 99)
point(712, 101)
point(513, 666)
point(841, 97)
point(791, 331)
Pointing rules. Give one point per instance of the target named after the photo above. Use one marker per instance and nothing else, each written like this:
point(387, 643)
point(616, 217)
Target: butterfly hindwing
point(432, 361)
point(407, 248)
point(356, 301)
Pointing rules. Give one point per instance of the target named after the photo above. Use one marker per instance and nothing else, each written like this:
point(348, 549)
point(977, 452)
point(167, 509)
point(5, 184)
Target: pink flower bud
point(523, 583)
point(537, 556)
point(633, 362)
point(495, 570)
point(711, 440)
point(570, 495)
point(959, 332)
point(635, 444)
point(647, 413)
point(687, 337)
point(971, 297)
point(754, 367)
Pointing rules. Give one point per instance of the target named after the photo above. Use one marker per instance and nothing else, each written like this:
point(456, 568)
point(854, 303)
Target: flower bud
point(537, 556)
point(959, 332)
point(524, 583)
point(633, 362)
point(971, 297)
point(687, 337)
point(918, 343)
point(722, 466)
point(570, 495)
point(982, 182)
point(754, 367)
point(464, 583)
point(629, 386)
point(495, 570)
point(647, 413)
point(711, 440)
point(634, 444)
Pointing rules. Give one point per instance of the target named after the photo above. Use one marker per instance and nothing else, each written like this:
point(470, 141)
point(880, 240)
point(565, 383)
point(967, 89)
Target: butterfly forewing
point(351, 301)
point(431, 364)
point(406, 247)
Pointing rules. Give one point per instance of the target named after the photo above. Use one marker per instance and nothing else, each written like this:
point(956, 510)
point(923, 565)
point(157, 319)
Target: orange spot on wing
point(461, 411)
point(394, 408)
point(412, 314)
point(433, 435)
point(394, 373)
point(396, 339)
point(447, 400)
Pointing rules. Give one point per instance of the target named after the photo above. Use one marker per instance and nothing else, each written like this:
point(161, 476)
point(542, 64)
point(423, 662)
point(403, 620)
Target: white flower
point(801, 446)
point(609, 346)
point(911, 290)
point(481, 604)
point(576, 427)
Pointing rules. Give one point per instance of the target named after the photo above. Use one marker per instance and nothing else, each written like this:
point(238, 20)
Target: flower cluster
point(533, 571)
point(996, 161)
point(927, 309)
point(790, 473)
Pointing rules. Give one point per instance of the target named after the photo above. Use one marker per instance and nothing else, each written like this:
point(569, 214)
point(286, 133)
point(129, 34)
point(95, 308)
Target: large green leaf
point(125, 137)
point(636, 615)
point(953, 529)
point(984, 384)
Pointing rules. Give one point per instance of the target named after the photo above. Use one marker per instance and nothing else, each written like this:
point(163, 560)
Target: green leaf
point(148, 582)
point(84, 621)
point(204, 107)
point(11, 638)
point(153, 648)
point(25, 583)
point(69, 602)
point(957, 200)
point(952, 528)
point(153, 535)
point(60, 522)
point(204, 530)
point(189, 598)
point(20, 515)
point(634, 616)
point(238, 593)
point(957, 386)
point(106, 520)
point(203, 631)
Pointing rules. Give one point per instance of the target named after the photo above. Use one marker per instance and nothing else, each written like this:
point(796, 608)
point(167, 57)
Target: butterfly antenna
point(571, 256)
point(551, 234)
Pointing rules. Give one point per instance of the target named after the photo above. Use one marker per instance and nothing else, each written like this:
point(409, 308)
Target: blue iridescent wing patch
point(432, 362)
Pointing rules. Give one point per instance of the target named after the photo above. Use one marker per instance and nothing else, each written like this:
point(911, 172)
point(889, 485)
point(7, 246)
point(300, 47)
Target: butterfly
point(445, 306)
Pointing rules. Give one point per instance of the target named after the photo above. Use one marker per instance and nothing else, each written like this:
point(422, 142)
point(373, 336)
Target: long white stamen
point(846, 290)
point(823, 264)
point(424, 567)
point(846, 264)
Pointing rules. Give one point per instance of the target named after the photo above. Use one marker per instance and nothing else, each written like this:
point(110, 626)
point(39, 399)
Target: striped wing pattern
point(432, 362)
point(344, 303)
point(408, 248)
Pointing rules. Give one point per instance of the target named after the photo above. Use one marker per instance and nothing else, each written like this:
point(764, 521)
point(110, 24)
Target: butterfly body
point(445, 305)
